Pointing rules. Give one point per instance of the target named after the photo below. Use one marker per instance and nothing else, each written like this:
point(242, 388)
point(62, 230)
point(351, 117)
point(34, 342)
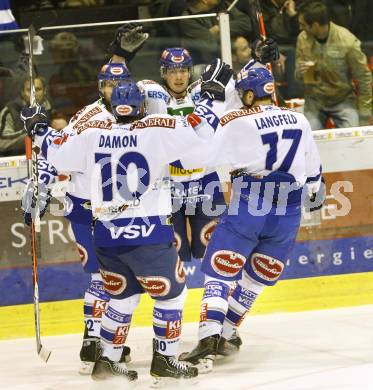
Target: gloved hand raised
point(35, 120)
point(214, 80)
point(28, 205)
point(266, 50)
point(128, 40)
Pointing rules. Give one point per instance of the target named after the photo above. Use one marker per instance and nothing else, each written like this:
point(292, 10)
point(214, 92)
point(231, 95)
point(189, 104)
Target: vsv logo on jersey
point(132, 231)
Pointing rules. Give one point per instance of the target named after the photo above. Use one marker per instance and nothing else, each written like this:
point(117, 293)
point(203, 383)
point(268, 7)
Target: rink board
point(287, 296)
point(331, 264)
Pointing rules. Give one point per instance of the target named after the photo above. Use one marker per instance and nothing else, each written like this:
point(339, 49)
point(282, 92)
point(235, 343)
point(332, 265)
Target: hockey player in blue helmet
point(249, 250)
point(255, 84)
point(176, 70)
point(127, 102)
point(109, 76)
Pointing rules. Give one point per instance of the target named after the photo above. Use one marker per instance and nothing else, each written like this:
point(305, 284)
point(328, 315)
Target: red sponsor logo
point(177, 59)
point(99, 308)
point(266, 267)
point(227, 263)
point(269, 88)
point(60, 140)
point(87, 116)
point(123, 109)
point(114, 283)
point(206, 232)
point(179, 272)
point(116, 70)
point(203, 313)
point(156, 286)
point(121, 335)
point(173, 329)
point(83, 254)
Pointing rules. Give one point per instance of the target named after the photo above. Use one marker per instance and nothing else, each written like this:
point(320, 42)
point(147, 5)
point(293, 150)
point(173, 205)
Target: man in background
point(329, 60)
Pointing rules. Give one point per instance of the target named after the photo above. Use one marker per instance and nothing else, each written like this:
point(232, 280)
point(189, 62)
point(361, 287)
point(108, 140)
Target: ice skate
point(88, 354)
point(167, 370)
point(203, 355)
point(105, 368)
point(227, 348)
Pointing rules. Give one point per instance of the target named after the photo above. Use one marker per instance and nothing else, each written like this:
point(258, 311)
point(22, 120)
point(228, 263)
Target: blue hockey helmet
point(175, 57)
point(256, 79)
point(112, 71)
point(127, 99)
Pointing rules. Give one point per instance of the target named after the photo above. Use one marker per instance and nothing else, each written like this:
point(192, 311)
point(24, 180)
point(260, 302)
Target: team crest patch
point(207, 231)
point(156, 286)
point(114, 283)
point(266, 267)
point(227, 263)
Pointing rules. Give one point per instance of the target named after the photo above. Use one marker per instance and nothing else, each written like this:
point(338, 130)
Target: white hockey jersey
point(262, 140)
point(208, 109)
point(128, 169)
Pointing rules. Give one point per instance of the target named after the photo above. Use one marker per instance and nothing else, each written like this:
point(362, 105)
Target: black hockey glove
point(128, 40)
point(265, 50)
point(34, 119)
point(214, 80)
point(28, 204)
point(317, 199)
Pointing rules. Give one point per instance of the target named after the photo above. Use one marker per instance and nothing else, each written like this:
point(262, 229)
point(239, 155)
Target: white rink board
point(315, 350)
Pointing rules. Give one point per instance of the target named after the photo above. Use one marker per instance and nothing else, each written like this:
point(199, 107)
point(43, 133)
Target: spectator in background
point(280, 19)
point(201, 35)
point(7, 20)
point(12, 133)
point(75, 82)
point(329, 60)
point(241, 53)
point(58, 120)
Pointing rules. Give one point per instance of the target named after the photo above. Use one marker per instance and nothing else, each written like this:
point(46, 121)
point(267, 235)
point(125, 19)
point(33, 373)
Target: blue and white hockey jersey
point(128, 169)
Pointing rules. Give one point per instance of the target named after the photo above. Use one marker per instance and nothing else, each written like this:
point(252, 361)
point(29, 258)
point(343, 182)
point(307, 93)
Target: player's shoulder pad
point(234, 114)
point(88, 108)
point(165, 121)
point(94, 115)
point(154, 90)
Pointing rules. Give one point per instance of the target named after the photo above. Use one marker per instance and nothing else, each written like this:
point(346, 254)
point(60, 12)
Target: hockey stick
point(32, 173)
point(263, 35)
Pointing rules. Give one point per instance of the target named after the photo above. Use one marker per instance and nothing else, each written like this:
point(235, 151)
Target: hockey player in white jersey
point(77, 205)
point(274, 163)
point(131, 206)
point(194, 186)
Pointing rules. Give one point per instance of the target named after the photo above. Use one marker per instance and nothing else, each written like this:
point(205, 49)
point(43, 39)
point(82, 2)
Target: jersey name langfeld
point(275, 120)
point(117, 141)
